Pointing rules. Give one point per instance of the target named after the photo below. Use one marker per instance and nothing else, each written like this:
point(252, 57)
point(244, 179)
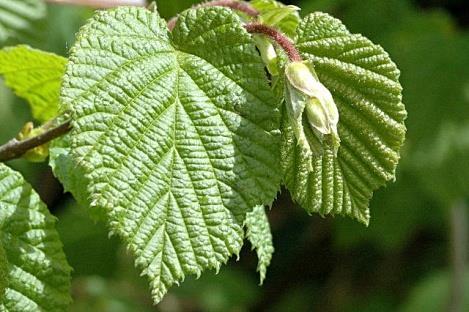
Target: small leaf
point(35, 76)
point(18, 18)
point(277, 14)
point(364, 84)
point(38, 273)
point(258, 233)
point(177, 134)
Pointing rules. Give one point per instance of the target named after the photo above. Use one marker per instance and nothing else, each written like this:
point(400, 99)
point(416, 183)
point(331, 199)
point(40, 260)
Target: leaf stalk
point(283, 41)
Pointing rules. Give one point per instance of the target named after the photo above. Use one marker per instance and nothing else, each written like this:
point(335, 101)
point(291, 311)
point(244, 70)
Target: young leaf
point(274, 13)
point(35, 76)
point(18, 18)
point(176, 134)
point(364, 84)
point(38, 273)
point(258, 233)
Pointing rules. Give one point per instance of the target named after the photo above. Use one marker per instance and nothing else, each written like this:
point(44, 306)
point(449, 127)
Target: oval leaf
point(364, 83)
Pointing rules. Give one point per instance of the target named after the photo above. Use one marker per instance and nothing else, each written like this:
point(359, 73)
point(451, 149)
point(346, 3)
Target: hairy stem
point(16, 148)
point(283, 41)
point(459, 245)
point(232, 4)
point(100, 4)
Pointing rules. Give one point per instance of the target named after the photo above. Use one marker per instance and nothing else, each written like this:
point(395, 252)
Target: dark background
point(401, 262)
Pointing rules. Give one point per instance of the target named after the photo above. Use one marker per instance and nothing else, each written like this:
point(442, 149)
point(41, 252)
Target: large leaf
point(258, 233)
point(34, 75)
point(176, 134)
point(38, 273)
point(364, 83)
point(18, 18)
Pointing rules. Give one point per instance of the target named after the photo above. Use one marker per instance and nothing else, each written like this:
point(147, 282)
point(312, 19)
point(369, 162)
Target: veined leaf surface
point(364, 83)
point(36, 76)
point(38, 274)
point(258, 233)
point(177, 134)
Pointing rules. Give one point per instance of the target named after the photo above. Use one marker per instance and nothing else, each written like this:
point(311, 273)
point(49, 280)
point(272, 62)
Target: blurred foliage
point(431, 294)
point(398, 263)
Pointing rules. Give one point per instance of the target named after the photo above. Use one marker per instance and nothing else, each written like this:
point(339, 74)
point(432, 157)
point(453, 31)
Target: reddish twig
point(232, 4)
point(100, 4)
point(281, 39)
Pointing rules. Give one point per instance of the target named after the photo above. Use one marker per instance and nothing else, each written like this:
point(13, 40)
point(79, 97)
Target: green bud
point(275, 16)
point(39, 153)
point(268, 54)
point(304, 92)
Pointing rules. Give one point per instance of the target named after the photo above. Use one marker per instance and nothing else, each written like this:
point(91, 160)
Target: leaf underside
point(38, 273)
point(18, 18)
point(35, 76)
point(364, 84)
point(177, 134)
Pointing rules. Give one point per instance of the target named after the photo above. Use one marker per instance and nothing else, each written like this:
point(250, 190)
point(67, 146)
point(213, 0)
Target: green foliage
point(444, 166)
point(177, 142)
point(18, 18)
point(432, 294)
point(176, 136)
point(364, 84)
point(69, 175)
point(275, 13)
point(38, 273)
point(35, 76)
point(258, 233)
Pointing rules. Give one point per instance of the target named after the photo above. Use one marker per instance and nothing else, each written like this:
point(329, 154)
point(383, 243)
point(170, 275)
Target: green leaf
point(364, 84)
point(35, 76)
point(277, 14)
point(69, 175)
point(38, 273)
point(258, 233)
point(18, 18)
point(177, 134)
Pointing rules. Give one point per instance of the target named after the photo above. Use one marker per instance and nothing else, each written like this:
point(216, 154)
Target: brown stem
point(232, 4)
point(101, 4)
point(17, 148)
point(281, 39)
